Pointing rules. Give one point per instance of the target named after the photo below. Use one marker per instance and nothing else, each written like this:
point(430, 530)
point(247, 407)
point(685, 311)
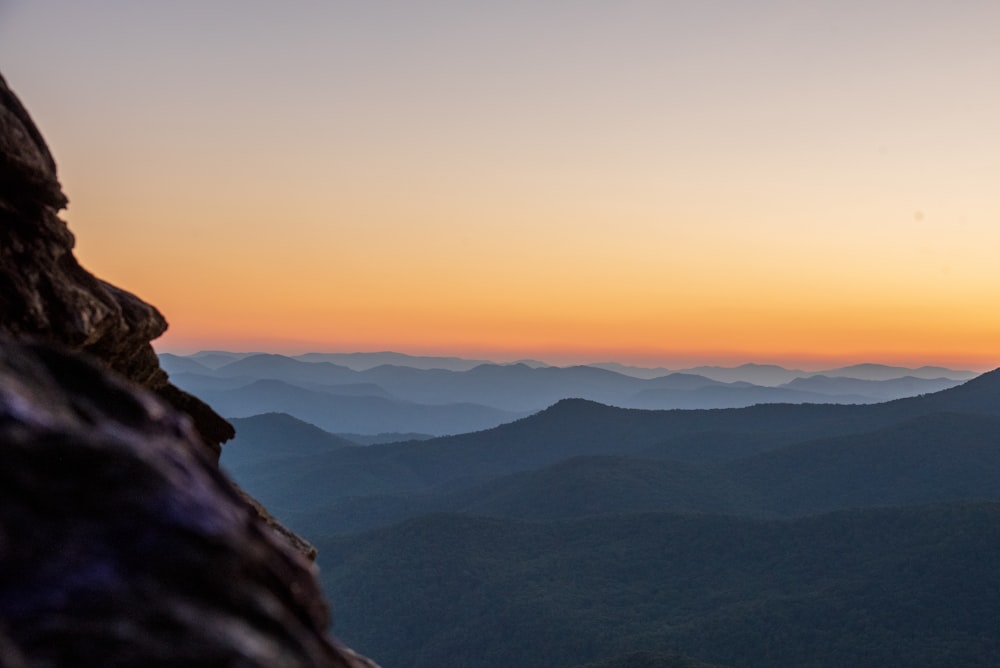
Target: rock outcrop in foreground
point(46, 294)
point(121, 542)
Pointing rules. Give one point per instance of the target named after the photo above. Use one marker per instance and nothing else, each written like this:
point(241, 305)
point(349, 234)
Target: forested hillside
point(892, 587)
point(773, 535)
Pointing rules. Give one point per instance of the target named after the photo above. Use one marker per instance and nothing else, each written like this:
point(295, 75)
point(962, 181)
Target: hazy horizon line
point(669, 364)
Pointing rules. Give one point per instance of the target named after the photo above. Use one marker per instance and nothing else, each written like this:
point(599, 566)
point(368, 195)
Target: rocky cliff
point(47, 295)
point(121, 542)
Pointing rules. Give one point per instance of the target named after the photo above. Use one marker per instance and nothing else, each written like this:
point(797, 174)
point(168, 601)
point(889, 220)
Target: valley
point(587, 534)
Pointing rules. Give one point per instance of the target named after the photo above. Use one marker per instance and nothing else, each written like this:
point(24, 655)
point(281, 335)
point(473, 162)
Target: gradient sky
point(674, 182)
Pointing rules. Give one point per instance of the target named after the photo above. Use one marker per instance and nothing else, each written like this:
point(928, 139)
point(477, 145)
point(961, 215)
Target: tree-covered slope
point(272, 436)
point(892, 587)
point(649, 660)
point(933, 458)
point(574, 428)
point(936, 457)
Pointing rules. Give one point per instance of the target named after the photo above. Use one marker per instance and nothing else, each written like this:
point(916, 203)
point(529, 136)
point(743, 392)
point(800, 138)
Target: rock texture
point(46, 294)
point(121, 542)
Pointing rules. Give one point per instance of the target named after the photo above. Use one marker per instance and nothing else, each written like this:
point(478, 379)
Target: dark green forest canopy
point(650, 660)
point(911, 586)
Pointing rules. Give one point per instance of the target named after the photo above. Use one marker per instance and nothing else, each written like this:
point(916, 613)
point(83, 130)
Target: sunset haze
point(664, 183)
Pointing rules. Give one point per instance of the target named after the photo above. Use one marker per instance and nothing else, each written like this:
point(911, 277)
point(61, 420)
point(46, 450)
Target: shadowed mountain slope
point(349, 413)
point(573, 488)
point(262, 438)
point(930, 459)
point(902, 587)
point(737, 396)
point(650, 660)
point(575, 428)
point(936, 457)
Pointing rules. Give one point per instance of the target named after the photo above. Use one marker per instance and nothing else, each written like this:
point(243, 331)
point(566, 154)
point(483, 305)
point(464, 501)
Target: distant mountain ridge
point(770, 375)
point(965, 419)
point(884, 372)
point(887, 389)
point(352, 413)
point(264, 438)
point(758, 374)
point(494, 392)
point(364, 361)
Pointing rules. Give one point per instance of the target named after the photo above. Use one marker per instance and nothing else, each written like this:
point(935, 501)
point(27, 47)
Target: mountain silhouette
point(350, 413)
point(270, 436)
point(882, 390)
point(364, 361)
point(279, 367)
point(577, 428)
point(885, 372)
point(523, 388)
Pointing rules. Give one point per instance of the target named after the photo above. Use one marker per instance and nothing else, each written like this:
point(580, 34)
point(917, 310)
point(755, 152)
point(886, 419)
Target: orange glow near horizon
point(556, 283)
point(660, 184)
point(712, 291)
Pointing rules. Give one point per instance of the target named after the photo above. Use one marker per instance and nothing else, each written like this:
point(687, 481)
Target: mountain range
point(590, 535)
point(440, 396)
point(764, 460)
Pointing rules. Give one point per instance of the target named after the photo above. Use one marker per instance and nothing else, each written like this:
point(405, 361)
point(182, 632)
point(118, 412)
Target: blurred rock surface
point(121, 542)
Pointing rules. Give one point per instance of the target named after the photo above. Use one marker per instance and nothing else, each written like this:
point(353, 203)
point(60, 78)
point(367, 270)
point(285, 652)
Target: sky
point(805, 182)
